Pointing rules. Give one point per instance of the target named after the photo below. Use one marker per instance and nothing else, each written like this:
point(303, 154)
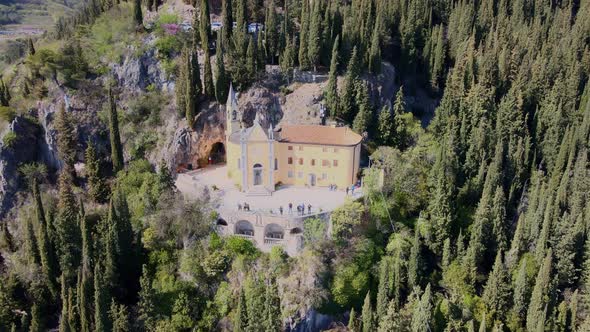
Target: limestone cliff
point(24, 148)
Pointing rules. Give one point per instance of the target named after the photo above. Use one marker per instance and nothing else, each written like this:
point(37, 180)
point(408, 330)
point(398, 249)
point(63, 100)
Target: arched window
point(244, 227)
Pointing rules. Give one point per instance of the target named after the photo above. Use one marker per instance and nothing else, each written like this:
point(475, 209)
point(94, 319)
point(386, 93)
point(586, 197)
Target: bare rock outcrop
point(262, 100)
point(136, 73)
point(24, 148)
point(191, 147)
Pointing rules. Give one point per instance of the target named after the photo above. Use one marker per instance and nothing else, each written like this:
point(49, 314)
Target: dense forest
point(482, 221)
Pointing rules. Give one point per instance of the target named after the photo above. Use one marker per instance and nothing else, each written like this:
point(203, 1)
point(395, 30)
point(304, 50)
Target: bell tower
point(233, 115)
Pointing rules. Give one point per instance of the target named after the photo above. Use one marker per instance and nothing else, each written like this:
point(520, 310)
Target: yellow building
point(300, 155)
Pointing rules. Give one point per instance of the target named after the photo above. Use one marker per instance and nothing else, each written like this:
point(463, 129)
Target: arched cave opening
point(217, 154)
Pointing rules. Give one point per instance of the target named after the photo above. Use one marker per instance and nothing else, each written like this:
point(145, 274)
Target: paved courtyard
point(226, 195)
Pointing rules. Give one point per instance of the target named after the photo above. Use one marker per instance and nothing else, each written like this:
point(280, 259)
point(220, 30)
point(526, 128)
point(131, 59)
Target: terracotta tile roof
point(323, 135)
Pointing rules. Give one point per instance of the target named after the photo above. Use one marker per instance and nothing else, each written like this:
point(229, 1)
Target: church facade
point(300, 155)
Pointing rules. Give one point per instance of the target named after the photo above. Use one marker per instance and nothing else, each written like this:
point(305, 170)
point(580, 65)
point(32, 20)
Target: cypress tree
point(205, 26)
point(391, 321)
point(399, 108)
point(37, 322)
point(228, 22)
point(352, 321)
point(97, 189)
point(241, 316)
point(208, 87)
point(271, 33)
point(137, 15)
point(221, 79)
point(193, 85)
point(446, 257)
point(4, 94)
point(63, 318)
point(375, 52)
point(414, 264)
point(115, 138)
point(347, 105)
point(86, 286)
point(72, 311)
point(303, 36)
point(383, 290)
point(254, 293)
point(272, 308)
point(110, 269)
point(251, 58)
point(285, 27)
point(146, 303)
point(332, 87)
point(328, 37)
point(260, 53)
point(518, 243)
point(315, 34)
point(66, 140)
point(101, 321)
point(126, 252)
point(439, 59)
point(67, 229)
point(385, 129)
point(367, 315)
point(288, 57)
point(182, 78)
point(241, 16)
point(496, 294)
point(30, 47)
point(31, 247)
point(541, 297)
point(46, 253)
point(499, 219)
point(364, 117)
point(422, 315)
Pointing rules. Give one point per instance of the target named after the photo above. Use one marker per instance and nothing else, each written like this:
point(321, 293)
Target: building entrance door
point(257, 175)
point(312, 180)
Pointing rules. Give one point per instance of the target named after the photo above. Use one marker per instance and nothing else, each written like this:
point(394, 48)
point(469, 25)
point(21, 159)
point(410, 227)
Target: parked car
point(216, 26)
point(186, 26)
point(255, 27)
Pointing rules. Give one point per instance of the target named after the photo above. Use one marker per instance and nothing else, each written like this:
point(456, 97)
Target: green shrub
point(9, 139)
point(240, 246)
point(169, 66)
point(145, 109)
point(167, 18)
point(167, 46)
point(110, 35)
point(7, 114)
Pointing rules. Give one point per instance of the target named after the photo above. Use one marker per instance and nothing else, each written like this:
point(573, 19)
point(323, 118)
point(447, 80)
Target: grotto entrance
point(217, 154)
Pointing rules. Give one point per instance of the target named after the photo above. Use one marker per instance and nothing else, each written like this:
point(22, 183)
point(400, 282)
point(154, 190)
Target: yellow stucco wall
point(329, 164)
point(337, 165)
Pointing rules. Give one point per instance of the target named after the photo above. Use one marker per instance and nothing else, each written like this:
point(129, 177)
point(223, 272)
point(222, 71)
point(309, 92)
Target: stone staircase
point(259, 191)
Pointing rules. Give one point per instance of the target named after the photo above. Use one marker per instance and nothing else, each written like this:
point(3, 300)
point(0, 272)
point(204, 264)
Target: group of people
point(350, 190)
point(333, 187)
point(246, 207)
point(300, 209)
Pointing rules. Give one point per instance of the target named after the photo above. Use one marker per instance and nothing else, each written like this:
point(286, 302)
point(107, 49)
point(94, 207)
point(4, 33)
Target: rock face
point(191, 147)
point(24, 149)
point(137, 73)
point(262, 100)
point(84, 106)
